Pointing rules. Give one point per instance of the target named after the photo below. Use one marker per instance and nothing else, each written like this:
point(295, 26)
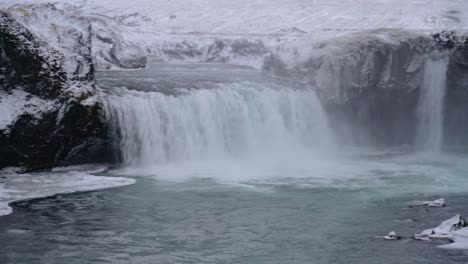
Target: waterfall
point(430, 134)
point(232, 120)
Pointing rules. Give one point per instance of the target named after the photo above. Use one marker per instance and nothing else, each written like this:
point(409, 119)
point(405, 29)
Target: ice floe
point(16, 187)
point(436, 203)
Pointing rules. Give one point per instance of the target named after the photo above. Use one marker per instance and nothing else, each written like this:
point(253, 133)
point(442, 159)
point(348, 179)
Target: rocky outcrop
point(60, 121)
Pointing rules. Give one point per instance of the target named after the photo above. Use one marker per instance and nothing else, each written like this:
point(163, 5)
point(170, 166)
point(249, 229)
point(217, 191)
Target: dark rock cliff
point(456, 107)
point(70, 130)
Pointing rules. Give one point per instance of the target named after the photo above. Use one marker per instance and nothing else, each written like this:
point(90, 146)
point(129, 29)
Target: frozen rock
point(392, 236)
point(446, 229)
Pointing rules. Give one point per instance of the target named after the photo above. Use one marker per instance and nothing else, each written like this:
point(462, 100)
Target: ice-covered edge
point(18, 187)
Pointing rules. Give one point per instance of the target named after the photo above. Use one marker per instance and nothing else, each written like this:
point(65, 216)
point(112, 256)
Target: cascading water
point(233, 120)
point(430, 134)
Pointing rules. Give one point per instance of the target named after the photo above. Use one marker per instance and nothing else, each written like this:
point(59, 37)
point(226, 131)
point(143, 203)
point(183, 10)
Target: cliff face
point(51, 113)
point(370, 83)
point(456, 108)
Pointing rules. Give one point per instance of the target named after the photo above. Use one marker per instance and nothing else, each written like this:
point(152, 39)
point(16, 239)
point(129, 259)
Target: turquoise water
point(235, 167)
point(203, 220)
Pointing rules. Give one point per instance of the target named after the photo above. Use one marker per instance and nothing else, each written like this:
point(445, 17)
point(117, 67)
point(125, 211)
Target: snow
point(159, 25)
point(445, 229)
point(459, 239)
point(16, 187)
point(454, 229)
point(269, 16)
point(19, 102)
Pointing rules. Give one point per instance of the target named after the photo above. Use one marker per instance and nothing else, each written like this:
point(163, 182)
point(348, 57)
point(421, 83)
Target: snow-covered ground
point(145, 21)
point(269, 16)
point(16, 187)
point(203, 30)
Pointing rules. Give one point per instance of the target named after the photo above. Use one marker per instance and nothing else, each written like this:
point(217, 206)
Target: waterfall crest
point(430, 133)
point(233, 120)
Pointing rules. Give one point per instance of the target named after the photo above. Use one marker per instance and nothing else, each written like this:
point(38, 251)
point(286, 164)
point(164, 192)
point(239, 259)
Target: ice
point(436, 203)
point(16, 187)
point(455, 229)
point(459, 238)
point(421, 237)
point(444, 230)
